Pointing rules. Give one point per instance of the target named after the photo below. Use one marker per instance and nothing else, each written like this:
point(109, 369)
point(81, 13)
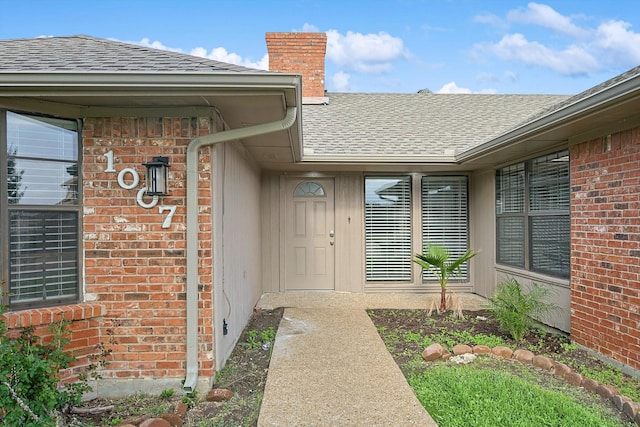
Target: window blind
point(445, 216)
point(43, 253)
point(388, 228)
point(534, 235)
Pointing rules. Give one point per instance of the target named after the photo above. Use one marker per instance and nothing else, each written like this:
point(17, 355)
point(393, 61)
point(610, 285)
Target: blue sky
point(489, 46)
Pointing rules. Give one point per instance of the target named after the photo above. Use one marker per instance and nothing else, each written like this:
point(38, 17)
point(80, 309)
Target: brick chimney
point(300, 53)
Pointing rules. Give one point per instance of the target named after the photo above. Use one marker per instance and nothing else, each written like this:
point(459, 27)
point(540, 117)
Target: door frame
point(285, 197)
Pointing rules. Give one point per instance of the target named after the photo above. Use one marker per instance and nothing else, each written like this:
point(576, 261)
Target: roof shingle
point(89, 54)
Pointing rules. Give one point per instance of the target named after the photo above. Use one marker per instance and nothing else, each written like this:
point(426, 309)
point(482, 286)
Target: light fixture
point(158, 176)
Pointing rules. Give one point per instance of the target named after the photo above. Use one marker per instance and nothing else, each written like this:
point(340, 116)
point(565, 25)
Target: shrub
point(30, 390)
point(516, 310)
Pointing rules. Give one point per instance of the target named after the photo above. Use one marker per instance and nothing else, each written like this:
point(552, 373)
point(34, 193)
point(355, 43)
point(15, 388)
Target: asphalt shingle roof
point(89, 54)
point(420, 124)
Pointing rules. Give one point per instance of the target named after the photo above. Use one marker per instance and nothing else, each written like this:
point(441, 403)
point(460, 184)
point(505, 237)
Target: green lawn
point(469, 395)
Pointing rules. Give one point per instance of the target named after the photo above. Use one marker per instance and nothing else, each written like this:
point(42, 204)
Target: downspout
point(192, 226)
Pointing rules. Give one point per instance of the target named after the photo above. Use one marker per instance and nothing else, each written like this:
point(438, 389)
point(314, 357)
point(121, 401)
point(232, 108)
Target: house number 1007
point(135, 179)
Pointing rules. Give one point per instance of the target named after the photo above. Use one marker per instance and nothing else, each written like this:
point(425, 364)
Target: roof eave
point(379, 159)
point(599, 101)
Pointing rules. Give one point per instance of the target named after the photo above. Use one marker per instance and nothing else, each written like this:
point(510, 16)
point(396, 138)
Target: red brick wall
point(605, 245)
point(299, 53)
point(133, 266)
point(84, 321)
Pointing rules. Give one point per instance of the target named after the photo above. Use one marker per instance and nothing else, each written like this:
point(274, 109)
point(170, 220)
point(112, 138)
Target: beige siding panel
point(349, 223)
point(559, 294)
point(238, 216)
point(482, 223)
point(270, 233)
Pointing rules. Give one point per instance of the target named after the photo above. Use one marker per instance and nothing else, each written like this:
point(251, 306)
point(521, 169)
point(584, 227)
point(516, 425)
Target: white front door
point(309, 235)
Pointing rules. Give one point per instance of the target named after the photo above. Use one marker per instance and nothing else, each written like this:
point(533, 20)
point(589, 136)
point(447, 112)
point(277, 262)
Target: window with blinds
point(534, 235)
point(388, 228)
point(42, 210)
point(445, 217)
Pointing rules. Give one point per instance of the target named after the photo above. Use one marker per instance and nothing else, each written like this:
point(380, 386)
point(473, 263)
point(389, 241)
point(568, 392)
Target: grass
point(469, 395)
point(443, 394)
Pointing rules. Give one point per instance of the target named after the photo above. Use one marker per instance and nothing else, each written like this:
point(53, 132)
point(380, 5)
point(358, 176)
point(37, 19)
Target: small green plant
point(256, 338)
point(268, 335)
point(437, 260)
point(190, 399)
point(31, 393)
point(252, 339)
point(115, 421)
point(516, 310)
point(166, 394)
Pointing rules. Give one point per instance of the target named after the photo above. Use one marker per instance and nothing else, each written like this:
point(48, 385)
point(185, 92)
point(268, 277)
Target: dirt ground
point(246, 371)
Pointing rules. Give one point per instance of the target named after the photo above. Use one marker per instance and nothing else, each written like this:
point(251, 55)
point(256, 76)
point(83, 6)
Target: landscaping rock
point(219, 395)
point(174, 420)
point(433, 352)
point(481, 349)
point(589, 385)
point(522, 355)
point(560, 369)
point(631, 409)
point(181, 409)
point(464, 358)
point(607, 391)
point(446, 355)
point(461, 349)
point(573, 378)
point(543, 363)
point(155, 422)
point(502, 352)
point(133, 421)
point(619, 400)
point(126, 425)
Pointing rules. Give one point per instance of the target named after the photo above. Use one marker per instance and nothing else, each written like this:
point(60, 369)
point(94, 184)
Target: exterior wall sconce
point(158, 176)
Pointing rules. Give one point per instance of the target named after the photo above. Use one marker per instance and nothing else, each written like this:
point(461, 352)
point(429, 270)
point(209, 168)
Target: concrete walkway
point(329, 366)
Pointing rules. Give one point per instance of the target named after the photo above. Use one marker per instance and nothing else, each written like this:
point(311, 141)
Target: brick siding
point(299, 53)
point(605, 245)
point(135, 268)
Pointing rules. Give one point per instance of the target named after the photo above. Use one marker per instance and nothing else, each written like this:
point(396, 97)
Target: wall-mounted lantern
point(158, 176)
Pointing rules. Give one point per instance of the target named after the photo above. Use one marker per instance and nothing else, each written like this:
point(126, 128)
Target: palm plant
point(436, 259)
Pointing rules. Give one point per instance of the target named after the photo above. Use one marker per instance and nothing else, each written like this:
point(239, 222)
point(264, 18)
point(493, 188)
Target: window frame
point(7, 208)
point(528, 214)
point(416, 216)
point(462, 180)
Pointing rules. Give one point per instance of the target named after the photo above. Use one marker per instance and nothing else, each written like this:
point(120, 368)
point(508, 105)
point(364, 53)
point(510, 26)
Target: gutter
point(581, 108)
point(192, 226)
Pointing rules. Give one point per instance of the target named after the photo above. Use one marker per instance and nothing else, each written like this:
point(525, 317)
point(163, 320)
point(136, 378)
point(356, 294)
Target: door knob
point(331, 233)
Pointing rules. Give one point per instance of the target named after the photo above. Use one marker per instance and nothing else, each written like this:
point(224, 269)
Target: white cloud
point(217, 54)
point(452, 87)
point(221, 54)
point(621, 44)
point(365, 53)
point(309, 28)
point(546, 16)
point(573, 60)
point(156, 45)
point(490, 19)
point(581, 50)
point(340, 82)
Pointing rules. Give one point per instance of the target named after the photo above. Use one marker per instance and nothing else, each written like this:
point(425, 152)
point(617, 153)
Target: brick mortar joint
point(57, 313)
